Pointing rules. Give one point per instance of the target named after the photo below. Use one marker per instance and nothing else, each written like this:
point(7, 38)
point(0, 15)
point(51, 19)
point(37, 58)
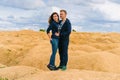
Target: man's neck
point(64, 19)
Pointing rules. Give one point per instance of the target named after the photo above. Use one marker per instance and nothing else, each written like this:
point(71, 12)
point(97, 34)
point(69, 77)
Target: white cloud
point(5, 23)
point(56, 9)
point(25, 14)
point(24, 4)
point(110, 10)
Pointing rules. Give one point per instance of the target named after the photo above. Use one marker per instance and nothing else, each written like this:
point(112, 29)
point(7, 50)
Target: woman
point(54, 38)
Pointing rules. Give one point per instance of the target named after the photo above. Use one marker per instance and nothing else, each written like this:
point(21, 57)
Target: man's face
point(62, 15)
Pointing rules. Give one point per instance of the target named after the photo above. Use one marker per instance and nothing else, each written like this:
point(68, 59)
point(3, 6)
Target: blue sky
point(85, 15)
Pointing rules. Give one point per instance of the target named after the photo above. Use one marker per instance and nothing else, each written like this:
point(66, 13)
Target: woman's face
point(55, 17)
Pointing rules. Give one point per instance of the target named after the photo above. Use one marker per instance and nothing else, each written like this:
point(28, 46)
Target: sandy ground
point(92, 56)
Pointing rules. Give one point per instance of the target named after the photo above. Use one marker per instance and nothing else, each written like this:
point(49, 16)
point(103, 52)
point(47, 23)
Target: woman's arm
point(48, 32)
point(49, 35)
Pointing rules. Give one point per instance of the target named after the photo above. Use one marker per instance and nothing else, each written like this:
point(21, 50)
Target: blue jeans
point(54, 43)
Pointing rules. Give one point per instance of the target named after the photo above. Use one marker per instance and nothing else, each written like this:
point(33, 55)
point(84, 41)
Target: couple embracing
point(59, 39)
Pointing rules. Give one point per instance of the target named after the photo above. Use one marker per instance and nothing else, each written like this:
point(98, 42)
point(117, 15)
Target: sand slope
point(92, 56)
point(29, 73)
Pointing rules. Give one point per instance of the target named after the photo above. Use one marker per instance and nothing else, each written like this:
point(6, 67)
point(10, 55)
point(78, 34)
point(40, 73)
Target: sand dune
point(29, 73)
point(92, 56)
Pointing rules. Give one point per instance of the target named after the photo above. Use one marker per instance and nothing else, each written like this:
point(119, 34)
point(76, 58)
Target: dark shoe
point(52, 68)
point(63, 68)
point(59, 67)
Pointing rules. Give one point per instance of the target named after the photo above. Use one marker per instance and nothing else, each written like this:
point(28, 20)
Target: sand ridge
point(92, 56)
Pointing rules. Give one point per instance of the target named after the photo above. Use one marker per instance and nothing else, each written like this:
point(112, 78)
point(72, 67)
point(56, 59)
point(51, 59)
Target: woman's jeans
point(54, 43)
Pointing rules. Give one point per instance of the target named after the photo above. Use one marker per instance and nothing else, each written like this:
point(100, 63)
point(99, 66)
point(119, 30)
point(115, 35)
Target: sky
point(85, 15)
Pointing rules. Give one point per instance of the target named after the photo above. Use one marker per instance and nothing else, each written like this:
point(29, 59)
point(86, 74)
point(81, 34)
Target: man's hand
point(57, 34)
point(50, 39)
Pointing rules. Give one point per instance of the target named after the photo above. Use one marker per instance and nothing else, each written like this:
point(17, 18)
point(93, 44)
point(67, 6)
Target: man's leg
point(60, 53)
point(65, 52)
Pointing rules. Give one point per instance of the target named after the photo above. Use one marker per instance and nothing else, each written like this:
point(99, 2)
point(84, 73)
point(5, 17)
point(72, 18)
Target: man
point(64, 39)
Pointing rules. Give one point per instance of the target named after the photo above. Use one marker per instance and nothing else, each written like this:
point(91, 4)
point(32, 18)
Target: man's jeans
point(54, 43)
point(63, 52)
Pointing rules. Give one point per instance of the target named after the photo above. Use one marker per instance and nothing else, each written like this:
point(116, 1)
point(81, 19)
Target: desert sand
point(92, 56)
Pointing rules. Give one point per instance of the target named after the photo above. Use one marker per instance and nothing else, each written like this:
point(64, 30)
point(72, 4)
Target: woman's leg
point(54, 44)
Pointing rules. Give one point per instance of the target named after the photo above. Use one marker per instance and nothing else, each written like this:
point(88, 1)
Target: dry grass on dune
point(95, 53)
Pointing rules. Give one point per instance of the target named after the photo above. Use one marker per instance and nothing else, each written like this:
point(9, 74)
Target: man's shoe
point(59, 67)
point(63, 68)
point(52, 68)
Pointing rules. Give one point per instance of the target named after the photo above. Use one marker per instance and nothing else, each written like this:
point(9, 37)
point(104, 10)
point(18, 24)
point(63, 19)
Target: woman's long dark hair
point(51, 17)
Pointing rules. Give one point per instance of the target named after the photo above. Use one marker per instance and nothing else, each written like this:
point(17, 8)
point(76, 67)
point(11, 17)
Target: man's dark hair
point(63, 11)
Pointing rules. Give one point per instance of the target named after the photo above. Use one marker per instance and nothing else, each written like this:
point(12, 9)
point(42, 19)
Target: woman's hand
point(49, 35)
point(57, 34)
